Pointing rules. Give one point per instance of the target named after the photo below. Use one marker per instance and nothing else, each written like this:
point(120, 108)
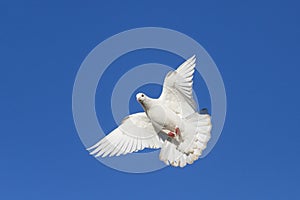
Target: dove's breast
point(163, 117)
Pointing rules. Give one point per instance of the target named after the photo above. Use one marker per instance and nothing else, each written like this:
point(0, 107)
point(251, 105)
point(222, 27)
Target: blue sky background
point(255, 44)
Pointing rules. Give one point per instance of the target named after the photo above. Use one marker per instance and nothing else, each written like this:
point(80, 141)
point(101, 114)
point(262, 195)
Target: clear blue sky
point(255, 44)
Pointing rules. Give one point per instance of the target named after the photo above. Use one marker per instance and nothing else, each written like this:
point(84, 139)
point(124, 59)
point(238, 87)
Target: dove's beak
point(138, 98)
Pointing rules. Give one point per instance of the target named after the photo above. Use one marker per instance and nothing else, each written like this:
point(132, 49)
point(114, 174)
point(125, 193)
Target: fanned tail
point(194, 141)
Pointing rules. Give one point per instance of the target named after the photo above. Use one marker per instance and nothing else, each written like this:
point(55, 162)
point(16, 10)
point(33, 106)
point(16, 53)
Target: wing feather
point(177, 89)
point(122, 151)
point(118, 147)
point(135, 133)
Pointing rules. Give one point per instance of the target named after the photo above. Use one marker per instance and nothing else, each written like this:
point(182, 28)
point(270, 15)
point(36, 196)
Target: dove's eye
point(142, 95)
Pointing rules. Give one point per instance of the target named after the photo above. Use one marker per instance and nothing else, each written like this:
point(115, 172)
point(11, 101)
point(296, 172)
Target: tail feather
point(194, 141)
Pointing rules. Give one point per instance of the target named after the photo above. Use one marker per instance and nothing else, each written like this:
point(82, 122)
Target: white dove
point(170, 122)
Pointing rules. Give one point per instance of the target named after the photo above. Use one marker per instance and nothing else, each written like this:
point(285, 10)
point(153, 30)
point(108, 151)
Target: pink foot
point(177, 131)
point(171, 134)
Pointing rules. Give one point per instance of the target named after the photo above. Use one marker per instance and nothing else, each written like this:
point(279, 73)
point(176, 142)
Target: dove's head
point(144, 100)
point(141, 97)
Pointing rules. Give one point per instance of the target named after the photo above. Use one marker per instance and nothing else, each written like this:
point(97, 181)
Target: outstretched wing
point(135, 133)
point(177, 93)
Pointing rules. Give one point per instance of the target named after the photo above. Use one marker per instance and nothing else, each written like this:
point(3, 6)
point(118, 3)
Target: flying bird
point(170, 122)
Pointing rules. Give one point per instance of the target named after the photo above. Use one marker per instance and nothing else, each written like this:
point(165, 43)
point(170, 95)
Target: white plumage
point(170, 122)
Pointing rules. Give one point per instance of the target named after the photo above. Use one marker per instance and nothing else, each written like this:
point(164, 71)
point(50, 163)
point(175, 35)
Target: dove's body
point(170, 122)
point(162, 117)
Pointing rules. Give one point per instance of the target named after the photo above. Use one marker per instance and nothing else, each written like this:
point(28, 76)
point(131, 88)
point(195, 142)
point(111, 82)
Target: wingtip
point(94, 146)
point(90, 148)
point(193, 57)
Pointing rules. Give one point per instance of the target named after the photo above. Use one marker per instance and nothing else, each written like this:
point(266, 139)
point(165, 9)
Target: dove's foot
point(171, 134)
point(177, 131)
